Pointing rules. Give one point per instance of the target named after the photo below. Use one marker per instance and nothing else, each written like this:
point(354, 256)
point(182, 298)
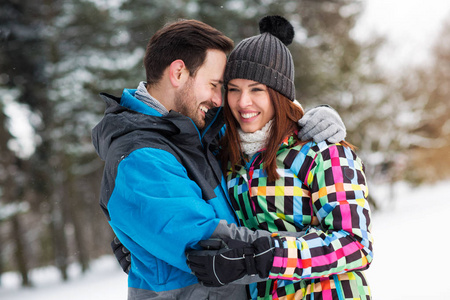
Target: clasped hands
point(225, 260)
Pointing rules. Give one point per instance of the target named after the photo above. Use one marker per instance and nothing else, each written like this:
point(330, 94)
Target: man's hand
point(122, 254)
point(224, 261)
point(322, 123)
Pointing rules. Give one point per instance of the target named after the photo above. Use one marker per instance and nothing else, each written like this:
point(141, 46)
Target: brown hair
point(284, 123)
point(187, 40)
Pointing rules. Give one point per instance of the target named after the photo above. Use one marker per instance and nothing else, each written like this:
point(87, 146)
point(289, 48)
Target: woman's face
point(250, 104)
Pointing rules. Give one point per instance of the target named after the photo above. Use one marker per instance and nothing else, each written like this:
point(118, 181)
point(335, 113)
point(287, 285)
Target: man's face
point(204, 91)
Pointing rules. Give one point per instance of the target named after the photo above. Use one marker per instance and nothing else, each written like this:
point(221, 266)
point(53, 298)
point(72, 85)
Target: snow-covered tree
point(56, 56)
point(429, 89)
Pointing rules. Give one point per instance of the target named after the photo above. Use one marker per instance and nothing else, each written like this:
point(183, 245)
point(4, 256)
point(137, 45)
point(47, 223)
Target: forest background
point(56, 56)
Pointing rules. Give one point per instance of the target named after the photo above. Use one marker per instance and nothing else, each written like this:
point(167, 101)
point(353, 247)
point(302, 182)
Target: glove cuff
point(249, 256)
point(264, 253)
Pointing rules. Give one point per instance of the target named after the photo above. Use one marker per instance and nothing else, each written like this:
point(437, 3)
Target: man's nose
point(217, 98)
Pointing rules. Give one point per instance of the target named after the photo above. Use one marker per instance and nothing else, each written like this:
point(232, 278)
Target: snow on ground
point(105, 280)
point(411, 244)
point(410, 255)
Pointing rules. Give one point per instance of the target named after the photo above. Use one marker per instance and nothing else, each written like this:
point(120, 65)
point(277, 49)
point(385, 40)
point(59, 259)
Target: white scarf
point(252, 142)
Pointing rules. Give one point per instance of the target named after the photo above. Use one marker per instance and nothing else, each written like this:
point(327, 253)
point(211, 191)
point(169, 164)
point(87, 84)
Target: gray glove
point(322, 123)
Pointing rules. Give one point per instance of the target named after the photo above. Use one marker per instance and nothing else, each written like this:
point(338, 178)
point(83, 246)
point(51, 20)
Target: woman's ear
point(178, 73)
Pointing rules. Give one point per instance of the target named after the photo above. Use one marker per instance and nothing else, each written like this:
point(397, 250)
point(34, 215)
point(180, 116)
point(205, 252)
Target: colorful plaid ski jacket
point(321, 190)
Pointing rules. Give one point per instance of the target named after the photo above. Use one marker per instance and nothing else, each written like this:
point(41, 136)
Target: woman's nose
point(245, 100)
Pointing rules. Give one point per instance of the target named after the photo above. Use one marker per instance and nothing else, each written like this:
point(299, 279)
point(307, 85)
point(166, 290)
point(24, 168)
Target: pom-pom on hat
point(265, 58)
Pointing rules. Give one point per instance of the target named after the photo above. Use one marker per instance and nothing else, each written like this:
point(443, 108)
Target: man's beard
point(186, 104)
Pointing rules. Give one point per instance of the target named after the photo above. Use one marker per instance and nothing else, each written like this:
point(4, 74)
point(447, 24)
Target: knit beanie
point(265, 58)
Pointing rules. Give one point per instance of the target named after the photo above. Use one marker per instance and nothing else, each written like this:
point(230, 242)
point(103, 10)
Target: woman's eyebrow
point(250, 85)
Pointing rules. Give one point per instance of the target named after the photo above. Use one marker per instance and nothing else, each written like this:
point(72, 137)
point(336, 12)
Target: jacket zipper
point(338, 287)
point(250, 167)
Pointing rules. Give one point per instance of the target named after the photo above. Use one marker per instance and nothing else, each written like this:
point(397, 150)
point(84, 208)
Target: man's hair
point(187, 40)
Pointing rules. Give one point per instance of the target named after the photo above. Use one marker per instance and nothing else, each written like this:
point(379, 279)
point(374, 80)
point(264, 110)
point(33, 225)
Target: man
point(162, 188)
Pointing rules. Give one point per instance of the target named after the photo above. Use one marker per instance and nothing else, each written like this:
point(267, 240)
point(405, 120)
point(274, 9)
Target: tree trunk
point(58, 234)
point(75, 212)
point(21, 257)
point(1, 255)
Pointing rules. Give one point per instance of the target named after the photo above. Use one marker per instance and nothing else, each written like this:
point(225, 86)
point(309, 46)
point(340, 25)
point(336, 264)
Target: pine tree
point(22, 80)
point(56, 56)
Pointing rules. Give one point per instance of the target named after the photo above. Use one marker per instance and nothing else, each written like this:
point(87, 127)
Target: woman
point(312, 196)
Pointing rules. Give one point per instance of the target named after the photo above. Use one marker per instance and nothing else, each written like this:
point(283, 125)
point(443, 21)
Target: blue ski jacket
point(162, 192)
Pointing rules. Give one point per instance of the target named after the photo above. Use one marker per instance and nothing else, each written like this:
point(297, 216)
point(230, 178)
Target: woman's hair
point(187, 40)
point(284, 123)
point(287, 114)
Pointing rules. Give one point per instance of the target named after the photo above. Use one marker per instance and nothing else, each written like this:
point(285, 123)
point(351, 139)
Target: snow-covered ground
point(411, 244)
point(105, 280)
point(410, 255)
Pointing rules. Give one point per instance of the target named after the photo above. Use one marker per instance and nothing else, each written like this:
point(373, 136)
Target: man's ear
point(178, 73)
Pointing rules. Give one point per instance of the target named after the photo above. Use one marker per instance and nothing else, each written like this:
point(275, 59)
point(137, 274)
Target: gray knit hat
point(265, 58)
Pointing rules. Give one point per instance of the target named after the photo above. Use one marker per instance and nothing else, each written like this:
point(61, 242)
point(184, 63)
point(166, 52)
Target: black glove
point(225, 261)
point(122, 254)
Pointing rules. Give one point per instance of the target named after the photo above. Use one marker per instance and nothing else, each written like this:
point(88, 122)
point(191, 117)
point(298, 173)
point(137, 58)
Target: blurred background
point(56, 56)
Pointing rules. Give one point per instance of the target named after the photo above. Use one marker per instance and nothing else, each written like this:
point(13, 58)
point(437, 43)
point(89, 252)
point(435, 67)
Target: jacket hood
point(120, 120)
